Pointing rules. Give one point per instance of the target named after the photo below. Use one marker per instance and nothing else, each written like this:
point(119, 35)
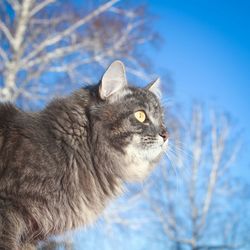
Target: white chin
point(140, 162)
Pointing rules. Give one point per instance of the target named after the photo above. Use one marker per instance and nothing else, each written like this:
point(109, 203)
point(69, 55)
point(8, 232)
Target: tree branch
point(15, 5)
point(222, 246)
point(218, 145)
point(58, 37)
point(55, 54)
point(22, 24)
point(4, 55)
point(39, 7)
point(6, 32)
point(196, 160)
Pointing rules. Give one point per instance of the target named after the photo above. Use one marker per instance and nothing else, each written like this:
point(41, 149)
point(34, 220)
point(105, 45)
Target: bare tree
point(201, 212)
point(44, 42)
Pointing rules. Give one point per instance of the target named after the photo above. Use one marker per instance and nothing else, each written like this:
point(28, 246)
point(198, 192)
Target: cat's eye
point(140, 116)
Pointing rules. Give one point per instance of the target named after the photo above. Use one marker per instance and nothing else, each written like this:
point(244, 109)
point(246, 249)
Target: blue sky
point(207, 52)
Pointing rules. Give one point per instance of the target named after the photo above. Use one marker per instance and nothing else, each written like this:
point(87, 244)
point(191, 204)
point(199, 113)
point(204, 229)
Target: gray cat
point(61, 166)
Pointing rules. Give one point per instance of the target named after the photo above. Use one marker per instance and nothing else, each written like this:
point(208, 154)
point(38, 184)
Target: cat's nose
point(164, 134)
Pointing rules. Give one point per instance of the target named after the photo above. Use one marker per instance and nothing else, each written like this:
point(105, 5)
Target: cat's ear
point(155, 87)
point(113, 80)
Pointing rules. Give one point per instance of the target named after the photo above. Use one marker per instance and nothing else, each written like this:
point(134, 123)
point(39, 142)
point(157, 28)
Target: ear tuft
point(155, 87)
point(113, 80)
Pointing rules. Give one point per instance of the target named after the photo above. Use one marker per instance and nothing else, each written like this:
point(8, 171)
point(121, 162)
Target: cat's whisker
point(166, 103)
point(177, 177)
point(181, 148)
point(180, 159)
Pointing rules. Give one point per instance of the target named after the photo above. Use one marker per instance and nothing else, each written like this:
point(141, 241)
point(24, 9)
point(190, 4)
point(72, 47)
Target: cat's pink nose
point(164, 134)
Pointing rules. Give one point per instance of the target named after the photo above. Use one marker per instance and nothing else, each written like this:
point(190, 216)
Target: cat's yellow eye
point(140, 116)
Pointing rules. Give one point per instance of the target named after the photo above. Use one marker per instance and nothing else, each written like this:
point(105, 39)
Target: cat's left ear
point(155, 88)
point(113, 80)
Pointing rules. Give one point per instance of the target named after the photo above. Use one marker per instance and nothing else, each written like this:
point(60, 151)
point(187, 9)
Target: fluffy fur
point(59, 167)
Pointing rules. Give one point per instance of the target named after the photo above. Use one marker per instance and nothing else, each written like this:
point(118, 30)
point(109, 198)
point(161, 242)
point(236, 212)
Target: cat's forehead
point(133, 99)
point(143, 98)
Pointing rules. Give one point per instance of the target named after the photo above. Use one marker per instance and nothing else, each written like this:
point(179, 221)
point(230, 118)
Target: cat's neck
point(98, 179)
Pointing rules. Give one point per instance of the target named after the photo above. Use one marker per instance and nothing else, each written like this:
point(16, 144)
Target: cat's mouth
point(154, 148)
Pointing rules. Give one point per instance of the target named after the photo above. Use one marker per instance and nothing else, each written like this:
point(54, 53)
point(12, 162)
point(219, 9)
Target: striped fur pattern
point(61, 166)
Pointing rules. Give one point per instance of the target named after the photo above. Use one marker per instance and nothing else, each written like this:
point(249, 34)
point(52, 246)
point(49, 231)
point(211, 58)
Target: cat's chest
point(81, 199)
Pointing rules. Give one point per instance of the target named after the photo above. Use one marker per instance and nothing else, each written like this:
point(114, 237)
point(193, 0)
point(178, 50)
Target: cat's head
point(131, 121)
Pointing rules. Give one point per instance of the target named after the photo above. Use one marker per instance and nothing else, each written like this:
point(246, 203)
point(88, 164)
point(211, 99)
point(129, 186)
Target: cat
point(61, 166)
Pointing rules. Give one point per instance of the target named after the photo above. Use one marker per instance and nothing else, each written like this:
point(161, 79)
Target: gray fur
point(61, 166)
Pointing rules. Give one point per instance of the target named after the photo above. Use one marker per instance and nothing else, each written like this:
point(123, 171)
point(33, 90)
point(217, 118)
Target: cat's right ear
point(155, 88)
point(113, 80)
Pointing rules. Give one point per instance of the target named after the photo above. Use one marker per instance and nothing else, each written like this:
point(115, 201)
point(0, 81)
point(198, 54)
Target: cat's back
point(14, 120)
point(7, 114)
point(20, 132)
